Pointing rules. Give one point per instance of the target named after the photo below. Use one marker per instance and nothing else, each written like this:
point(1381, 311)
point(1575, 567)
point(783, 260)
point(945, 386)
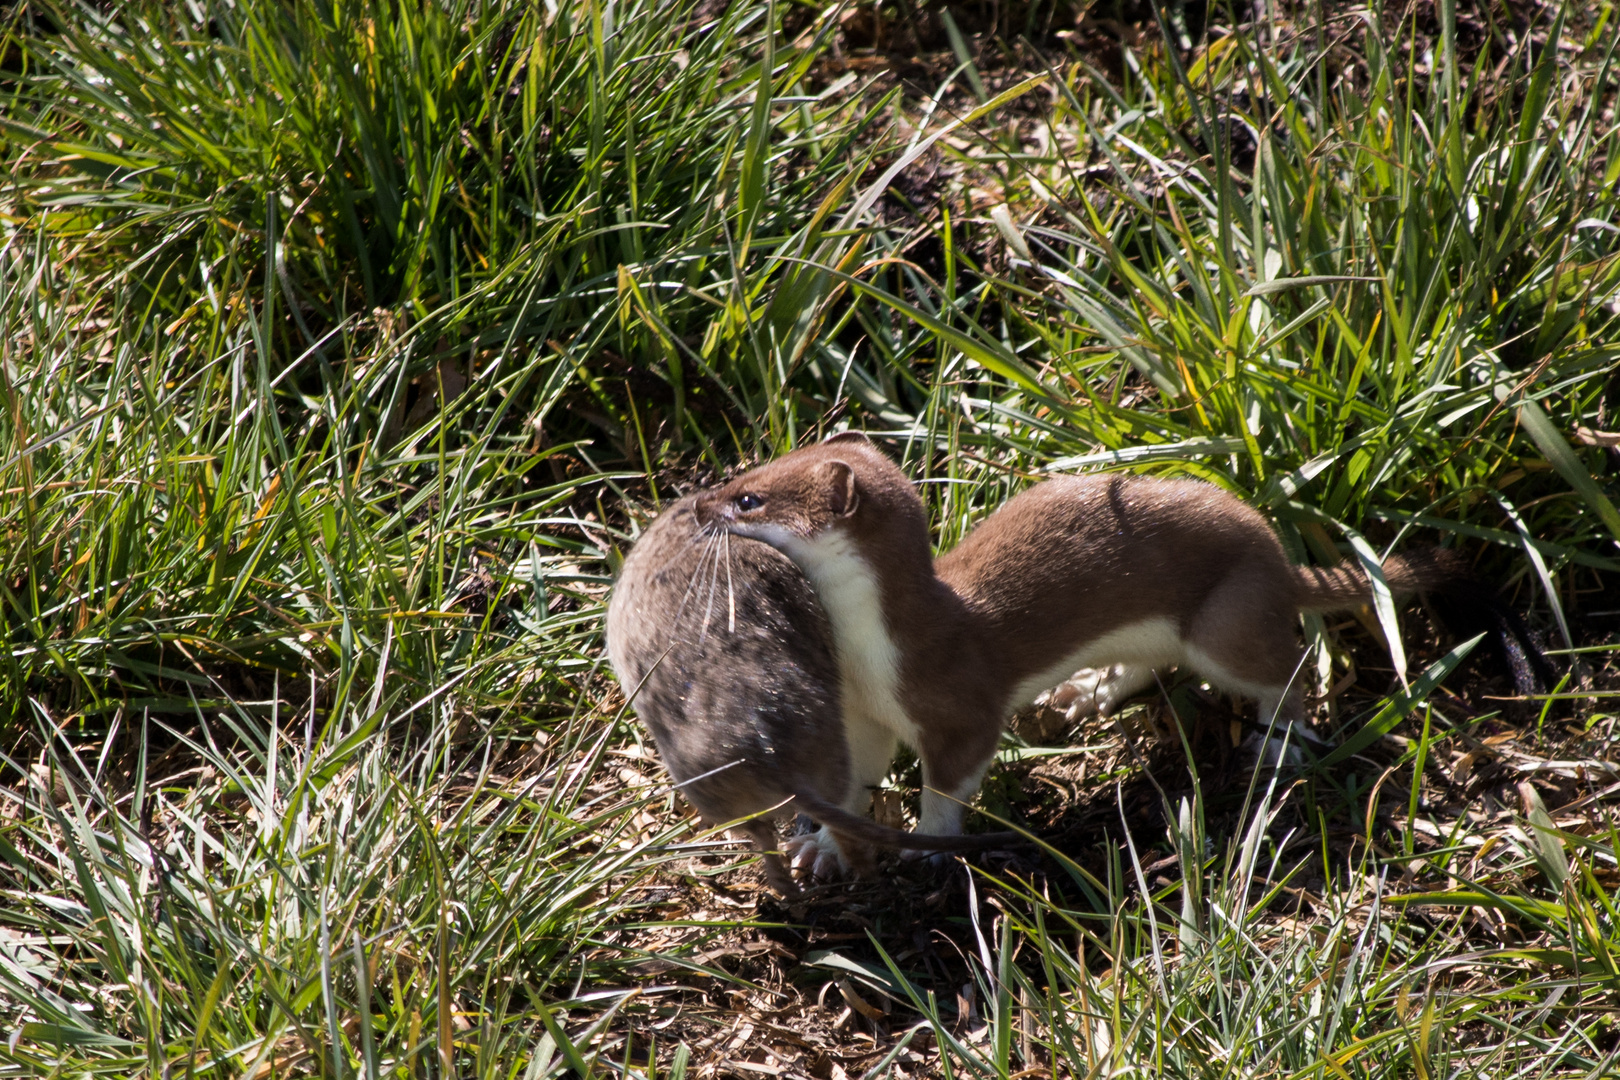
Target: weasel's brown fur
point(1116, 572)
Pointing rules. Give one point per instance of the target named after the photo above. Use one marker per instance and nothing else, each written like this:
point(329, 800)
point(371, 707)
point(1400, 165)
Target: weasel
point(727, 657)
point(1118, 573)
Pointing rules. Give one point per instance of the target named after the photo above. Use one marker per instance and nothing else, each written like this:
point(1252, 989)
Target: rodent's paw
point(935, 862)
point(816, 854)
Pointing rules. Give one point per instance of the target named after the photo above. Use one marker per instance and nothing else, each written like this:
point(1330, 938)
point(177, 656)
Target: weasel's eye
point(750, 501)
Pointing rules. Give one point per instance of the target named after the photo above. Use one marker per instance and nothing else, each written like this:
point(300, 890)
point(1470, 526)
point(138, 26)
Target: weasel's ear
point(847, 436)
point(839, 481)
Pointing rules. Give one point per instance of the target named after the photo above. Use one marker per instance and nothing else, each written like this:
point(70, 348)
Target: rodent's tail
point(1319, 589)
point(865, 829)
point(1467, 605)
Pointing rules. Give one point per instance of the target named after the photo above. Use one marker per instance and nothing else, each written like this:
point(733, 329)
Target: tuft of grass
point(1380, 306)
point(1268, 958)
point(308, 897)
point(307, 308)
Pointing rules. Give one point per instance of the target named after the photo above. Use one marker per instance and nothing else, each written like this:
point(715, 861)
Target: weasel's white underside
point(868, 660)
point(1126, 654)
point(1149, 643)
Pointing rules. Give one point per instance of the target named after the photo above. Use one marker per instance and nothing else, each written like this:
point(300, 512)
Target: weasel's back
point(1107, 541)
point(728, 657)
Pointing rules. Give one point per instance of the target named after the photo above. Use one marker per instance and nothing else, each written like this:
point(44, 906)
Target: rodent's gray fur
point(727, 656)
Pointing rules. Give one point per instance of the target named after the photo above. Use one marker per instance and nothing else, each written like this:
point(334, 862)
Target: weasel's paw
point(816, 854)
point(1095, 690)
point(1081, 693)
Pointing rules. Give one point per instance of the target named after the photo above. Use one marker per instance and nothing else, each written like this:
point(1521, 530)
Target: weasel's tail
point(838, 819)
point(1319, 589)
point(1466, 605)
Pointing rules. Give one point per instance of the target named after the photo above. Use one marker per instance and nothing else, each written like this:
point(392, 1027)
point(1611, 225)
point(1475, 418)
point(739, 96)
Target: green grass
point(1204, 981)
point(222, 445)
point(343, 346)
point(301, 883)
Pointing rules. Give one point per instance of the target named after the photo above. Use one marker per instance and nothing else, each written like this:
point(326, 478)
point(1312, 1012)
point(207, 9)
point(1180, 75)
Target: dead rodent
point(726, 655)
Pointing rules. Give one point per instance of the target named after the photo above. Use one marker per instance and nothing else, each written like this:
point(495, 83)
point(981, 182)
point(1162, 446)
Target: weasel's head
point(843, 485)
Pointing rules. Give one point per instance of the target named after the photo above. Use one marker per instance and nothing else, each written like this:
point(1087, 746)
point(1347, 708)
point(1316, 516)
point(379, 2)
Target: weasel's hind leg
point(1243, 641)
point(1281, 737)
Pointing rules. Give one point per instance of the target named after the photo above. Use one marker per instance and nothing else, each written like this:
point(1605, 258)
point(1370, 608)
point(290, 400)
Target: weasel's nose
point(711, 509)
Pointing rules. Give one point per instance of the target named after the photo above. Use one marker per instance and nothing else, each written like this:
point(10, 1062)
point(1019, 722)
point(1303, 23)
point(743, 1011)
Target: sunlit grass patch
point(302, 900)
point(1255, 962)
point(306, 307)
point(1381, 306)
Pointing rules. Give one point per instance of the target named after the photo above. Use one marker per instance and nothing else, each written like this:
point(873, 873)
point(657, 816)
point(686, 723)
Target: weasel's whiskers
point(712, 570)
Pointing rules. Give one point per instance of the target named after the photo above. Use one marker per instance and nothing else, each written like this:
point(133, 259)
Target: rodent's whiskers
point(710, 543)
point(731, 593)
point(714, 585)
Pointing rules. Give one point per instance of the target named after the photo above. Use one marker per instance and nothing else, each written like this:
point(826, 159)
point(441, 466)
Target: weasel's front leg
point(952, 770)
point(816, 854)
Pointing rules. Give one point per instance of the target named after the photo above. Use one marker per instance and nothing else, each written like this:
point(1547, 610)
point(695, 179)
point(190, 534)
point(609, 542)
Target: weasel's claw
point(1078, 694)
